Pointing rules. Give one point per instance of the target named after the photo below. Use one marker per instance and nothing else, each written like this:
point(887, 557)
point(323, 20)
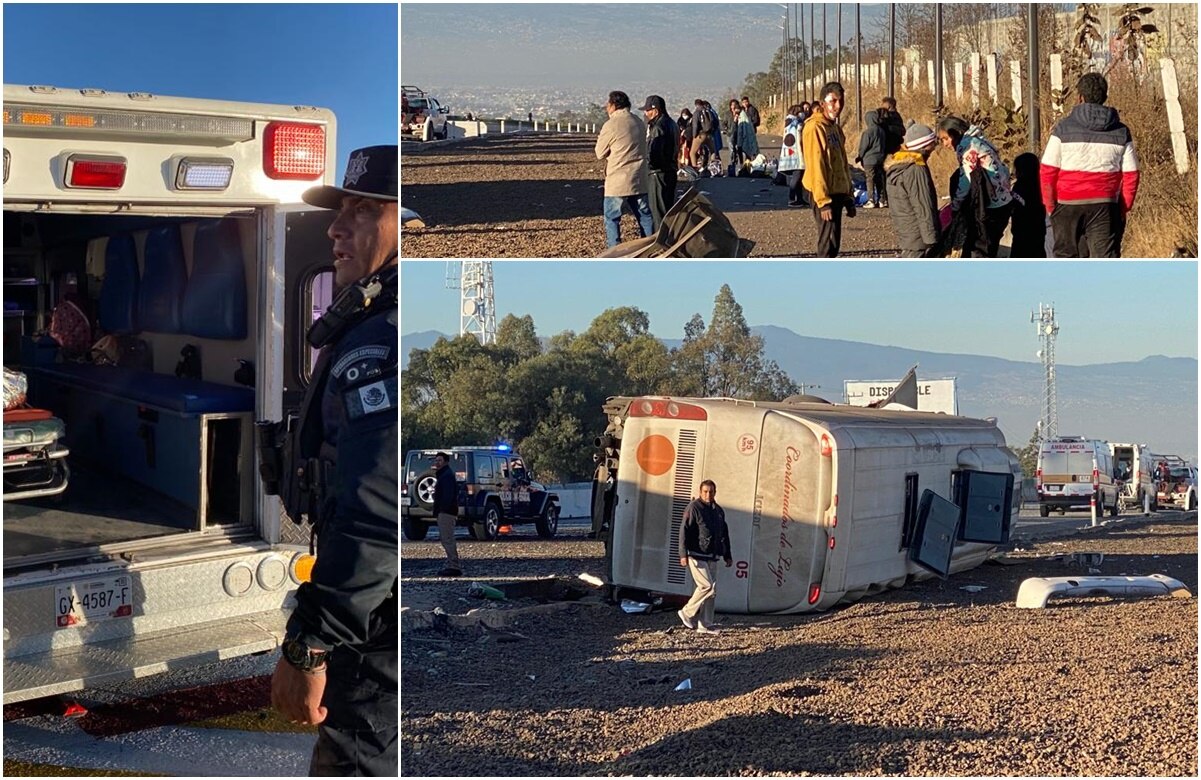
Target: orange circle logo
point(656, 455)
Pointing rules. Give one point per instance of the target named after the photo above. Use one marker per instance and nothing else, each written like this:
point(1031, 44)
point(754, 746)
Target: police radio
point(347, 308)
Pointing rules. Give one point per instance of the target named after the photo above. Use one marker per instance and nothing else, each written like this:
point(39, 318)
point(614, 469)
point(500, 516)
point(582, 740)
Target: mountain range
point(1151, 401)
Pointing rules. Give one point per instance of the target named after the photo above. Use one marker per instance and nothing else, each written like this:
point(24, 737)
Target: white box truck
point(1072, 472)
point(175, 225)
point(825, 503)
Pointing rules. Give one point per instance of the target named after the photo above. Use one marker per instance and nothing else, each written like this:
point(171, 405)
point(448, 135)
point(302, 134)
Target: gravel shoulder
point(540, 196)
point(929, 679)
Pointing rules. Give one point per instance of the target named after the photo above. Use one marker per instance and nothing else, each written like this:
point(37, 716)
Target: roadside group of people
point(643, 158)
point(1085, 183)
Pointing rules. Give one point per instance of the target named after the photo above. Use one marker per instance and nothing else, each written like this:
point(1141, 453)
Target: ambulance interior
point(158, 424)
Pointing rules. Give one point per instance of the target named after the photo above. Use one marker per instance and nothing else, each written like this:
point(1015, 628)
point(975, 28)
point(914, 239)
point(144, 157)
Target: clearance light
point(826, 447)
point(78, 120)
point(204, 174)
point(39, 118)
point(294, 151)
point(831, 542)
point(129, 123)
point(815, 592)
point(659, 407)
point(95, 172)
point(302, 567)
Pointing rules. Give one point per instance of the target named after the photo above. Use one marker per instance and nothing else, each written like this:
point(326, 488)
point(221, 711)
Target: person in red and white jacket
point(1089, 175)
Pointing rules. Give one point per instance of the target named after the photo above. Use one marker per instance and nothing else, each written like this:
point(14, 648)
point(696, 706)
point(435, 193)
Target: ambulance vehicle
point(176, 227)
point(1073, 471)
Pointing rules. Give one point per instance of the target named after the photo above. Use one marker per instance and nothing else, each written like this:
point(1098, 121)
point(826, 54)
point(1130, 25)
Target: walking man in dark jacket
point(662, 137)
point(446, 509)
point(893, 124)
point(704, 538)
point(1089, 175)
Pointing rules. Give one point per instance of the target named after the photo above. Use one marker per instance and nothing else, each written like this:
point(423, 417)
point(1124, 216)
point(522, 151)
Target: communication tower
point(1048, 329)
point(477, 304)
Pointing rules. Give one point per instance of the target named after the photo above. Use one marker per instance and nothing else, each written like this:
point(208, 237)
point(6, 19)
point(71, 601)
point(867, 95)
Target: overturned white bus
point(825, 503)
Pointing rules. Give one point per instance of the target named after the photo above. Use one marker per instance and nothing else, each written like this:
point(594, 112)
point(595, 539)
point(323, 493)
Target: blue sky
point(342, 57)
point(1107, 311)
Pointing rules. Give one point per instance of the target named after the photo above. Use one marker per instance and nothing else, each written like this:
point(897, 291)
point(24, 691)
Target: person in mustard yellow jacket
point(827, 172)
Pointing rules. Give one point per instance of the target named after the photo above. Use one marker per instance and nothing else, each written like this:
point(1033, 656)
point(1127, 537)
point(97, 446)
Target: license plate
point(404, 501)
point(86, 602)
point(1054, 488)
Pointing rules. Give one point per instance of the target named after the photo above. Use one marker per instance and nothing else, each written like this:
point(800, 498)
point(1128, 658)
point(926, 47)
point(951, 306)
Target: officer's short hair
point(443, 456)
point(710, 483)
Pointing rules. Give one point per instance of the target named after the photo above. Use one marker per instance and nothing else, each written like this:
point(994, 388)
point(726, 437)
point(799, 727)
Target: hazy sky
point(1107, 311)
point(600, 45)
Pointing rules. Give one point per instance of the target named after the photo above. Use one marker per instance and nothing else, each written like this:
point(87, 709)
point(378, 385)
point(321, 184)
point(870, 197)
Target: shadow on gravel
point(785, 743)
point(472, 203)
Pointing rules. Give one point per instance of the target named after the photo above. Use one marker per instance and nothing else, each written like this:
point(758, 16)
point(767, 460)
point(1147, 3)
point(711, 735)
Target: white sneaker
point(688, 623)
point(869, 205)
point(701, 628)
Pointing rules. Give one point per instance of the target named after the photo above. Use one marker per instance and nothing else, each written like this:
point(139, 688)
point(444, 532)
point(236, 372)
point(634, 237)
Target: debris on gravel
point(930, 679)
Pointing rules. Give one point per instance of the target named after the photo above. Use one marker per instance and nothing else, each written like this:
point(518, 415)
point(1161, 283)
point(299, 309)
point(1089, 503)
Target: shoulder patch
point(361, 363)
point(370, 398)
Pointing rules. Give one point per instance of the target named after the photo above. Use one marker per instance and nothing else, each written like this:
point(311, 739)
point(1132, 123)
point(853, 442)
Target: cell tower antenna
point(477, 303)
point(1048, 329)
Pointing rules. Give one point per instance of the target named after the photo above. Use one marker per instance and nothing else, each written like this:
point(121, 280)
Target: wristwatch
point(303, 657)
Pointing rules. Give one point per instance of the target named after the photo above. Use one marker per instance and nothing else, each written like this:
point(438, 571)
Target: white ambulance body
point(1071, 472)
point(824, 503)
point(176, 222)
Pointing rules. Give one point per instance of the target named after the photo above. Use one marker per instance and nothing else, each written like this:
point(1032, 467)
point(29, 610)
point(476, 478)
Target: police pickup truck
point(495, 491)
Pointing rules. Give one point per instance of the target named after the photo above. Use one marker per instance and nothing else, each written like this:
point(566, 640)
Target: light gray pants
point(700, 606)
point(446, 534)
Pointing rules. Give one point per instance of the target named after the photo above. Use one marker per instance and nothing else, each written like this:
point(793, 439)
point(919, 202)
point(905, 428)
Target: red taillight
point(1096, 478)
point(827, 448)
point(831, 542)
point(294, 151)
point(661, 407)
point(404, 488)
point(834, 521)
point(96, 173)
point(815, 592)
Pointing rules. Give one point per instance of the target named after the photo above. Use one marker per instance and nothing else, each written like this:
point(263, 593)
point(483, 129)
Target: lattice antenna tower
point(1048, 329)
point(477, 303)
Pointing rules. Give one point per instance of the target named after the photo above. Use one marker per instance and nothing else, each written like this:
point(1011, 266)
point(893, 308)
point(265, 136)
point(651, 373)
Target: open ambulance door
point(299, 289)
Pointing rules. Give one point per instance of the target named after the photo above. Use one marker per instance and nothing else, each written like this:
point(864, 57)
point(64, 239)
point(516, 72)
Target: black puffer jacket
point(704, 534)
point(873, 142)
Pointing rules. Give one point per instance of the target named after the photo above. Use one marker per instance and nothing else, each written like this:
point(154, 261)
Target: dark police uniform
point(347, 442)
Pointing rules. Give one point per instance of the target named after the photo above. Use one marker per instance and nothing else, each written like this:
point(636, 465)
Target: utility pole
point(858, 73)
point(1033, 76)
point(812, 55)
point(838, 51)
point(938, 85)
point(892, 49)
point(800, 12)
point(825, 37)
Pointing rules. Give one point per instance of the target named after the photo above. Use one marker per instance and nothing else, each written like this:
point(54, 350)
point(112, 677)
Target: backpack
point(705, 122)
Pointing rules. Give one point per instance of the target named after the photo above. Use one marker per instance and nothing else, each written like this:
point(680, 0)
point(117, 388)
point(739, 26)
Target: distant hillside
point(1151, 401)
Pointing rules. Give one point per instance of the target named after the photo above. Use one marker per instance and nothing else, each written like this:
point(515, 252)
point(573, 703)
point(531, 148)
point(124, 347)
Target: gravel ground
point(926, 680)
point(540, 196)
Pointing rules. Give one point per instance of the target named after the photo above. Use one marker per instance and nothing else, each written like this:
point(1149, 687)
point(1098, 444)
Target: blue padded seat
point(164, 278)
point(187, 396)
point(214, 302)
point(119, 291)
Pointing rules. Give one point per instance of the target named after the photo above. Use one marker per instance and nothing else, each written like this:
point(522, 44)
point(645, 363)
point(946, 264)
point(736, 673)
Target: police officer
point(339, 664)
